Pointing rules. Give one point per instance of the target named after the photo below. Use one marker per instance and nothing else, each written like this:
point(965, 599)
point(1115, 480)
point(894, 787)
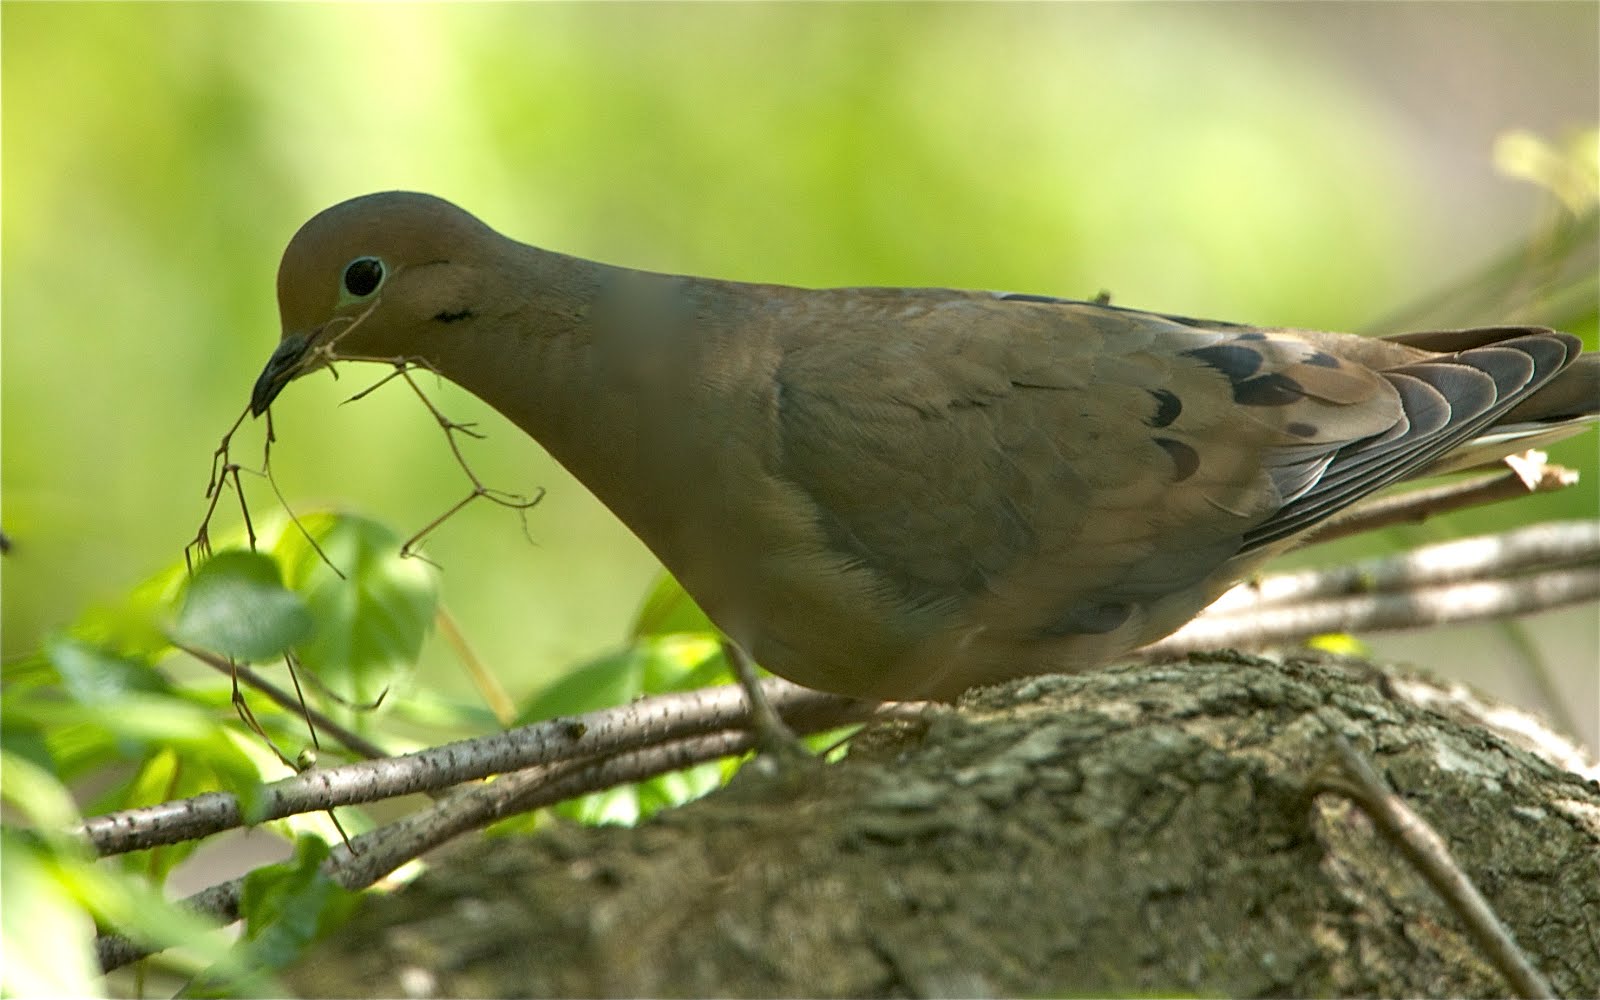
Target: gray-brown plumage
point(906, 492)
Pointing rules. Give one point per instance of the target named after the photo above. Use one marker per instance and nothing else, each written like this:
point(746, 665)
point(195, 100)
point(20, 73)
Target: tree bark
point(1143, 829)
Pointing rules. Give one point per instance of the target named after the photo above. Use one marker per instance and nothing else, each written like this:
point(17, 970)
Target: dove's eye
point(362, 277)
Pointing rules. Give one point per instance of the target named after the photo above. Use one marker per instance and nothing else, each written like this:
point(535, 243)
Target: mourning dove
point(904, 493)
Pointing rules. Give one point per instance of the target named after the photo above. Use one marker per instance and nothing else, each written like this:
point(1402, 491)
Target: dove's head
point(377, 278)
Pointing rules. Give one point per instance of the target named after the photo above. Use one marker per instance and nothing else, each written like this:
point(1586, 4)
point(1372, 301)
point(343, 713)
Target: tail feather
point(1448, 402)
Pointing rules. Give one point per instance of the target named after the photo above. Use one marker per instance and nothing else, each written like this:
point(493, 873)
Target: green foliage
point(674, 648)
point(667, 610)
point(100, 696)
point(286, 907)
point(237, 606)
point(372, 607)
point(55, 895)
point(333, 592)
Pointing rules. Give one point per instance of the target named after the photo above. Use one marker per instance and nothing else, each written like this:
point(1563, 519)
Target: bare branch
point(1441, 605)
point(366, 858)
point(639, 724)
point(1538, 546)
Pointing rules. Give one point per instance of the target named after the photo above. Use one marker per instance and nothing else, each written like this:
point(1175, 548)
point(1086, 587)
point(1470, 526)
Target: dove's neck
point(629, 379)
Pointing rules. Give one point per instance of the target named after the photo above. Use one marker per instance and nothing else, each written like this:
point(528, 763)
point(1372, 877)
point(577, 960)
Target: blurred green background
point(1315, 165)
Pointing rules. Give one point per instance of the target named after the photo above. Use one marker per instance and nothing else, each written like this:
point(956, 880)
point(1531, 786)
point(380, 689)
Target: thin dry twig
point(223, 471)
point(223, 468)
point(489, 687)
point(353, 741)
point(1537, 546)
point(1425, 606)
point(1426, 850)
point(514, 501)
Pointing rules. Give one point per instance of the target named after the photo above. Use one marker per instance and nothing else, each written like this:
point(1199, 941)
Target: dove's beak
point(286, 363)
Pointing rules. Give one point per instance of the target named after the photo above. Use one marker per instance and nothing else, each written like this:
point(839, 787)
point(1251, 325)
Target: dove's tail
point(1565, 405)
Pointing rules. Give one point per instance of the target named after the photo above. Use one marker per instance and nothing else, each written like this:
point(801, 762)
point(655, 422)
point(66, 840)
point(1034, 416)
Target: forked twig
point(224, 470)
point(353, 741)
point(504, 498)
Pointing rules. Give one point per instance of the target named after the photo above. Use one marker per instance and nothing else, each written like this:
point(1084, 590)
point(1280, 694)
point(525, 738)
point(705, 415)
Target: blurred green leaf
point(133, 625)
point(649, 666)
point(48, 936)
point(125, 905)
point(237, 606)
point(32, 791)
point(95, 675)
point(653, 665)
point(612, 679)
point(371, 621)
point(285, 907)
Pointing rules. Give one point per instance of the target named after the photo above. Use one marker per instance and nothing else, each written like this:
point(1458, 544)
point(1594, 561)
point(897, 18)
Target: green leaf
point(32, 792)
point(49, 937)
point(658, 665)
point(612, 679)
point(237, 605)
point(685, 661)
point(652, 665)
point(94, 675)
point(133, 624)
point(369, 623)
point(288, 906)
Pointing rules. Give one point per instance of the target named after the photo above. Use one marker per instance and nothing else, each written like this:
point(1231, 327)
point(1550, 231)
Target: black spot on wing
point(452, 317)
point(1301, 429)
point(1240, 364)
point(1235, 361)
point(1184, 458)
point(1272, 389)
point(1168, 406)
point(1321, 359)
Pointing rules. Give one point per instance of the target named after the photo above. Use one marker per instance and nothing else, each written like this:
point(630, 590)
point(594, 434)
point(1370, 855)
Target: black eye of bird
point(362, 276)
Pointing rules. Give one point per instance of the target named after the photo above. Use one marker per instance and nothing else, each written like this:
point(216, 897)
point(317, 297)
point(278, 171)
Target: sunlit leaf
point(48, 935)
point(31, 791)
point(237, 605)
point(612, 679)
point(370, 622)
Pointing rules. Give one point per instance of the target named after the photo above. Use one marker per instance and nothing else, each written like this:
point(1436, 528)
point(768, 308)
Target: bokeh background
point(1317, 165)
